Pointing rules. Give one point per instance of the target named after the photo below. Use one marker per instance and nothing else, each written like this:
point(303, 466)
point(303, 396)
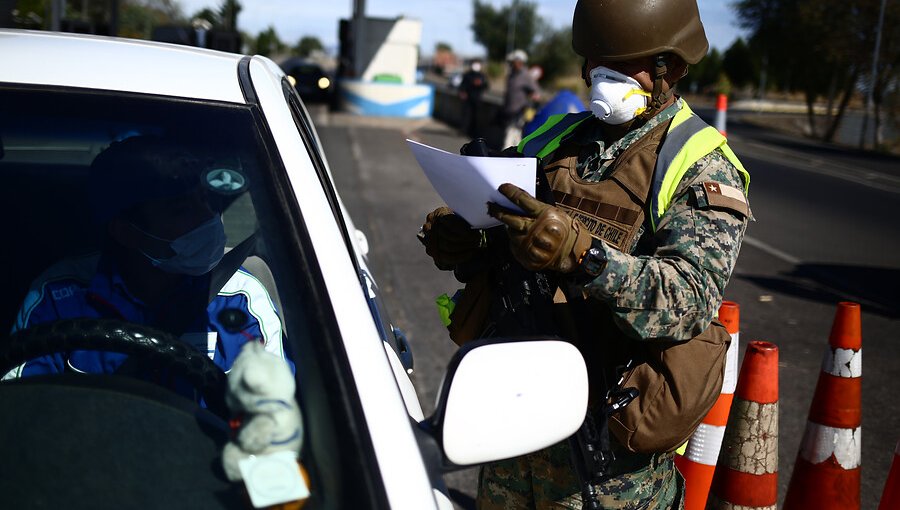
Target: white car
point(76, 440)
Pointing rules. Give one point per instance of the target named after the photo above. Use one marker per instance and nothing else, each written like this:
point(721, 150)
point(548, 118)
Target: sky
point(442, 20)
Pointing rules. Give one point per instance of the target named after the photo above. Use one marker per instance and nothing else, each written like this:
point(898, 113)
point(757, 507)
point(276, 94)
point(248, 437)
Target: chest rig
point(613, 209)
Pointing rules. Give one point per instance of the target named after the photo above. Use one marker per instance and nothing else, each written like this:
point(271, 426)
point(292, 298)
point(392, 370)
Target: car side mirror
point(502, 398)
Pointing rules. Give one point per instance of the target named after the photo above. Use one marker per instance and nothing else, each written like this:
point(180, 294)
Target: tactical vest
point(636, 190)
point(641, 182)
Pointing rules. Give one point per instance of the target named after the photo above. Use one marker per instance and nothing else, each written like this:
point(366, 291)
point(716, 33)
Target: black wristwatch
point(593, 261)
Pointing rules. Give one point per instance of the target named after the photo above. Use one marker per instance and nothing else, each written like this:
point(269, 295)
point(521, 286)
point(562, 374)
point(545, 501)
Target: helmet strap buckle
point(658, 98)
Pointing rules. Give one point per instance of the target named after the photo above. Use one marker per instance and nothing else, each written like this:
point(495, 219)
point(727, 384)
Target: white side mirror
point(504, 398)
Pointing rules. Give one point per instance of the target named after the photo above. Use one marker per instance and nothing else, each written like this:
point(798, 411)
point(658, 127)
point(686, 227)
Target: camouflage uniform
point(670, 291)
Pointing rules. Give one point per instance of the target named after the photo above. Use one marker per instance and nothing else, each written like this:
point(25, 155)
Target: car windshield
point(116, 206)
point(57, 206)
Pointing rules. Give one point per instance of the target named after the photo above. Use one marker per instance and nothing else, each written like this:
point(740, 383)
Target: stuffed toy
point(261, 393)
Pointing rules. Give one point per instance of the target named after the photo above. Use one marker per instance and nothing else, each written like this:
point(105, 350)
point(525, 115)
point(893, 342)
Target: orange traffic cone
point(747, 473)
point(721, 113)
point(699, 460)
point(890, 498)
point(827, 472)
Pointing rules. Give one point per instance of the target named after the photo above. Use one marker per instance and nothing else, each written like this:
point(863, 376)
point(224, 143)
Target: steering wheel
point(157, 348)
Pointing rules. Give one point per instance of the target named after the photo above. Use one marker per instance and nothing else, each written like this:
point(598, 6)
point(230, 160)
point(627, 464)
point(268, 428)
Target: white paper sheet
point(468, 183)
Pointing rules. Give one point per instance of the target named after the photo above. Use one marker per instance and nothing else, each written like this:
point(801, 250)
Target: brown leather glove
point(545, 237)
point(449, 239)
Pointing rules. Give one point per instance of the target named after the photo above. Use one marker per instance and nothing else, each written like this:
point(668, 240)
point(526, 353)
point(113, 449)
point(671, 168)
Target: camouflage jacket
point(670, 287)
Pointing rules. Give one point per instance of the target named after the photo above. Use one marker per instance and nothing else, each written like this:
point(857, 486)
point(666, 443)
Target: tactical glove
point(449, 239)
point(544, 237)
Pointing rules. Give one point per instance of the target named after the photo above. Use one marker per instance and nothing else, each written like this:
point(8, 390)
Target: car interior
point(46, 148)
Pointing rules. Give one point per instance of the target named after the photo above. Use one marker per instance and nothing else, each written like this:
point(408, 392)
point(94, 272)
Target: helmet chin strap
point(658, 98)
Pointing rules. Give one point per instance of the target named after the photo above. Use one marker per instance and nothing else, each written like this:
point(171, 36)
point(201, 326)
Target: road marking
point(771, 250)
point(836, 290)
point(859, 175)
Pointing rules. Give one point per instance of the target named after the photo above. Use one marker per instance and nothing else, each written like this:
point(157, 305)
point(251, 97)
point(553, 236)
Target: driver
point(162, 235)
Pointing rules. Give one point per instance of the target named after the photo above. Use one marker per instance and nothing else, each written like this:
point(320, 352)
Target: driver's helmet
point(145, 168)
point(616, 30)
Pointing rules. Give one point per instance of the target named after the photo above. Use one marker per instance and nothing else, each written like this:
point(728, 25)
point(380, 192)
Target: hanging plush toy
point(261, 394)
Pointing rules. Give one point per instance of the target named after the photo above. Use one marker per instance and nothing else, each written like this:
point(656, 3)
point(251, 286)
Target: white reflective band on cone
point(843, 363)
point(821, 442)
point(731, 365)
point(704, 446)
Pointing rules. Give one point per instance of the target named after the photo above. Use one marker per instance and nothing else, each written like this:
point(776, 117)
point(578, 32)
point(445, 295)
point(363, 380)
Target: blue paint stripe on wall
point(422, 104)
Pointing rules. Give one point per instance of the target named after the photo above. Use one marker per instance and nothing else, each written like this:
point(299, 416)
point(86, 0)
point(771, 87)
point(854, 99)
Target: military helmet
point(613, 30)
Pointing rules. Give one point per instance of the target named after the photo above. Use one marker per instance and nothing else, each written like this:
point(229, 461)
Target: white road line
point(771, 250)
point(790, 259)
point(859, 175)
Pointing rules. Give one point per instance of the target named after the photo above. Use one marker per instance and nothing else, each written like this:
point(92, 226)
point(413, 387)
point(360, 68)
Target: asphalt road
point(825, 231)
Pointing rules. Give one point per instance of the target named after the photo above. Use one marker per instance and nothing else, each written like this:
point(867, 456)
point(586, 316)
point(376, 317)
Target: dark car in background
point(311, 81)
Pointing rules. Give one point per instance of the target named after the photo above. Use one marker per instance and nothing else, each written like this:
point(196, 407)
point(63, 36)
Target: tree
point(307, 45)
point(209, 15)
point(228, 13)
point(267, 42)
point(554, 53)
point(739, 65)
point(443, 47)
point(492, 26)
point(817, 47)
point(703, 76)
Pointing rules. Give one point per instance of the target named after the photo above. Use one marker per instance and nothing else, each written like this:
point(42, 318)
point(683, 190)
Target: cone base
point(825, 486)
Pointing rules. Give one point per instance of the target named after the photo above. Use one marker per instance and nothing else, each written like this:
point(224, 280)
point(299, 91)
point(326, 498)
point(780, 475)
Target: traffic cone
point(721, 113)
point(890, 498)
point(747, 473)
point(827, 471)
point(698, 462)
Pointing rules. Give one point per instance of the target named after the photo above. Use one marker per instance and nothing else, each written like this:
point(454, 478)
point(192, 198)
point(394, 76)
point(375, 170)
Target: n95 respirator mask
point(616, 98)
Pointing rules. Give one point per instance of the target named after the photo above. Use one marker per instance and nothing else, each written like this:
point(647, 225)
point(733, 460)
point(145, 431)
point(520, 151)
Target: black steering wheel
point(147, 345)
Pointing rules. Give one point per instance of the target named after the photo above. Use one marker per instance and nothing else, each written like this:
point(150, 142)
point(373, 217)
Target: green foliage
point(442, 46)
point(491, 26)
point(228, 13)
point(703, 76)
point(307, 45)
point(137, 18)
point(209, 15)
point(553, 52)
point(740, 65)
point(267, 43)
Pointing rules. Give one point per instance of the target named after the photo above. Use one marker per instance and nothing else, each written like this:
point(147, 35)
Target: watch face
point(594, 262)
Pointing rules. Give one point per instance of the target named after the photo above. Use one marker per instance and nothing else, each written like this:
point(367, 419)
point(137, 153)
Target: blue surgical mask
point(196, 252)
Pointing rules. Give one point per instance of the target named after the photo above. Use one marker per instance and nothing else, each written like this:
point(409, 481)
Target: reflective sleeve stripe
point(547, 138)
point(705, 443)
point(843, 363)
point(820, 442)
point(684, 144)
point(688, 139)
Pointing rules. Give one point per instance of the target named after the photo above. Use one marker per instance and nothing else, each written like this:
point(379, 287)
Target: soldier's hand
point(449, 239)
point(544, 237)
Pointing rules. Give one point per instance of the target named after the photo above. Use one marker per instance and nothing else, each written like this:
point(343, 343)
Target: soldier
point(627, 253)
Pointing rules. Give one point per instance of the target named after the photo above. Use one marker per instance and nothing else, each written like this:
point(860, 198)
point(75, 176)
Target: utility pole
point(511, 29)
point(870, 102)
point(359, 38)
point(57, 8)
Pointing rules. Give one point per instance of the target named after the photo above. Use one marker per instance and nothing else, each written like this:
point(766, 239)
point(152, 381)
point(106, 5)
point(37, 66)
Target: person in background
point(474, 83)
point(521, 91)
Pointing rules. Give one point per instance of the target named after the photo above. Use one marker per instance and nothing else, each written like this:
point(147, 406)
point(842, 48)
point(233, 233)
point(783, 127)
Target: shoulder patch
point(721, 196)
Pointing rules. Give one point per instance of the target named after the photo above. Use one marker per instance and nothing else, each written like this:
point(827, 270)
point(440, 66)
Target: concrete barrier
point(448, 108)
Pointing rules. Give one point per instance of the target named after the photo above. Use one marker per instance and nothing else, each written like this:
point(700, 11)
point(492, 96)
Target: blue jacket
point(91, 287)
